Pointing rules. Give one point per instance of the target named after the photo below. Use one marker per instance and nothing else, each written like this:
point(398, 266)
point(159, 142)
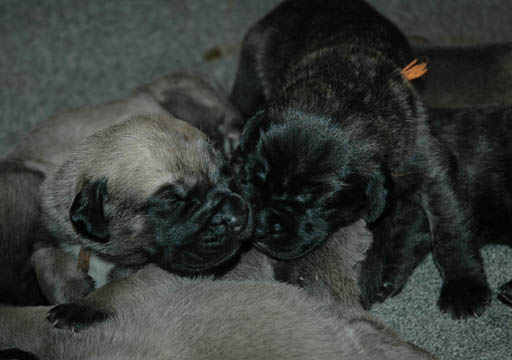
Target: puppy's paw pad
point(75, 317)
point(505, 293)
point(463, 298)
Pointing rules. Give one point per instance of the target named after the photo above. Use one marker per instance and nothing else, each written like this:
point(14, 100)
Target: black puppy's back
point(302, 27)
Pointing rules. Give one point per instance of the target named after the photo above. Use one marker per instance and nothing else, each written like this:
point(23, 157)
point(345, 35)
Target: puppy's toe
point(505, 293)
point(75, 317)
point(385, 290)
point(463, 298)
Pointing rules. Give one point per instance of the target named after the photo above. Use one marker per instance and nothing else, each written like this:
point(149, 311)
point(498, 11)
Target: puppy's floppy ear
point(87, 214)
point(377, 194)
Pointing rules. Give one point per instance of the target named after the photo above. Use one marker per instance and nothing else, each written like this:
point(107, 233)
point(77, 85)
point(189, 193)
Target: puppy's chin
point(283, 252)
point(197, 262)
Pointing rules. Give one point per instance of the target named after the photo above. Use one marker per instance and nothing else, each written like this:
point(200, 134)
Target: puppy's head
point(147, 190)
point(304, 179)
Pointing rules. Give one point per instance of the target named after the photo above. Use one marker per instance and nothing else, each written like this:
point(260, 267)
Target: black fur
point(342, 135)
point(194, 229)
point(481, 139)
point(15, 354)
point(19, 230)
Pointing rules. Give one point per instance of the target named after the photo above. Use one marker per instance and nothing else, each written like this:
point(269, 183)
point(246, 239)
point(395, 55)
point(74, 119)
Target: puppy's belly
point(99, 269)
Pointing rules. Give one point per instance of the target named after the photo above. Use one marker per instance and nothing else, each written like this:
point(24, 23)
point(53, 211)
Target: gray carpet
point(56, 54)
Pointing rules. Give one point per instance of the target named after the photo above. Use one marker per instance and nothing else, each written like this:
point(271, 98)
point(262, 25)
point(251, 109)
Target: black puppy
point(341, 135)
point(481, 139)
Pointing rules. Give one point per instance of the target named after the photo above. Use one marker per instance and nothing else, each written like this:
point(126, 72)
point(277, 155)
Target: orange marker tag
point(83, 260)
point(413, 70)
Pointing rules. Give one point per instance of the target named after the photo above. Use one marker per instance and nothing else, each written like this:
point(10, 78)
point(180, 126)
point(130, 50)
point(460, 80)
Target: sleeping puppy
point(42, 150)
point(244, 315)
point(341, 135)
point(484, 152)
point(149, 190)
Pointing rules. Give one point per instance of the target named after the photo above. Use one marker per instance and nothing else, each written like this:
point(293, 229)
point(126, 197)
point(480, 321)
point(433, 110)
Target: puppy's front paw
point(505, 293)
point(464, 297)
point(385, 290)
point(75, 317)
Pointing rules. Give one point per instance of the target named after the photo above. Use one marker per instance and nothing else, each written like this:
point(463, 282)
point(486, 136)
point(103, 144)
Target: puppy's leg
point(408, 242)
point(102, 303)
point(59, 277)
point(465, 291)
point(377, 341)
point(24, 328)
point(337, 264)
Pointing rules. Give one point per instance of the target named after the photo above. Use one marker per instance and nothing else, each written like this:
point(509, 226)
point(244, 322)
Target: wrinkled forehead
point(138, 159)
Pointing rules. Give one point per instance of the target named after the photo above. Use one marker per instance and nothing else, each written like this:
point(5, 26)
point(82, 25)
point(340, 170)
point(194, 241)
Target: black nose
point(232, 213)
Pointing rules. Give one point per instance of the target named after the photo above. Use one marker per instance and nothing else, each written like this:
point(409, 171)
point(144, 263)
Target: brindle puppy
point(341, 135)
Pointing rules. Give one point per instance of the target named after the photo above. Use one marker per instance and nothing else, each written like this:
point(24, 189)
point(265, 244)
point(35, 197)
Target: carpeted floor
point(56, 54)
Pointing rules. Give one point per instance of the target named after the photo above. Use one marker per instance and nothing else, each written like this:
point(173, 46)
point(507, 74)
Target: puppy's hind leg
point(408, 244)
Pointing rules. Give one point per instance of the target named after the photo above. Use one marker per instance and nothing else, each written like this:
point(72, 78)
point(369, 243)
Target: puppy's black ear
point(377, 194)
point(86, 213)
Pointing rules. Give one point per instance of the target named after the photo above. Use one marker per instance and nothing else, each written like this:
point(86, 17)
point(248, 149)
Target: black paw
point(75, 317)
point(16, 354)
point(505, 293)
point(463, 298)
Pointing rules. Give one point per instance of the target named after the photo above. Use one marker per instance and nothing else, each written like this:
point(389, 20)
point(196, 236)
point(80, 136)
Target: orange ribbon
point(413, 70)
point(83, 260)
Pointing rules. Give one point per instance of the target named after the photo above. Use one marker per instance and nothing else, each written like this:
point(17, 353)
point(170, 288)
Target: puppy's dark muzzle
point(233, 217)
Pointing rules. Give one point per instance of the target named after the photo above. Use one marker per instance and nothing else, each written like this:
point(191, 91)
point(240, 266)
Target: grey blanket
point(57, 54)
